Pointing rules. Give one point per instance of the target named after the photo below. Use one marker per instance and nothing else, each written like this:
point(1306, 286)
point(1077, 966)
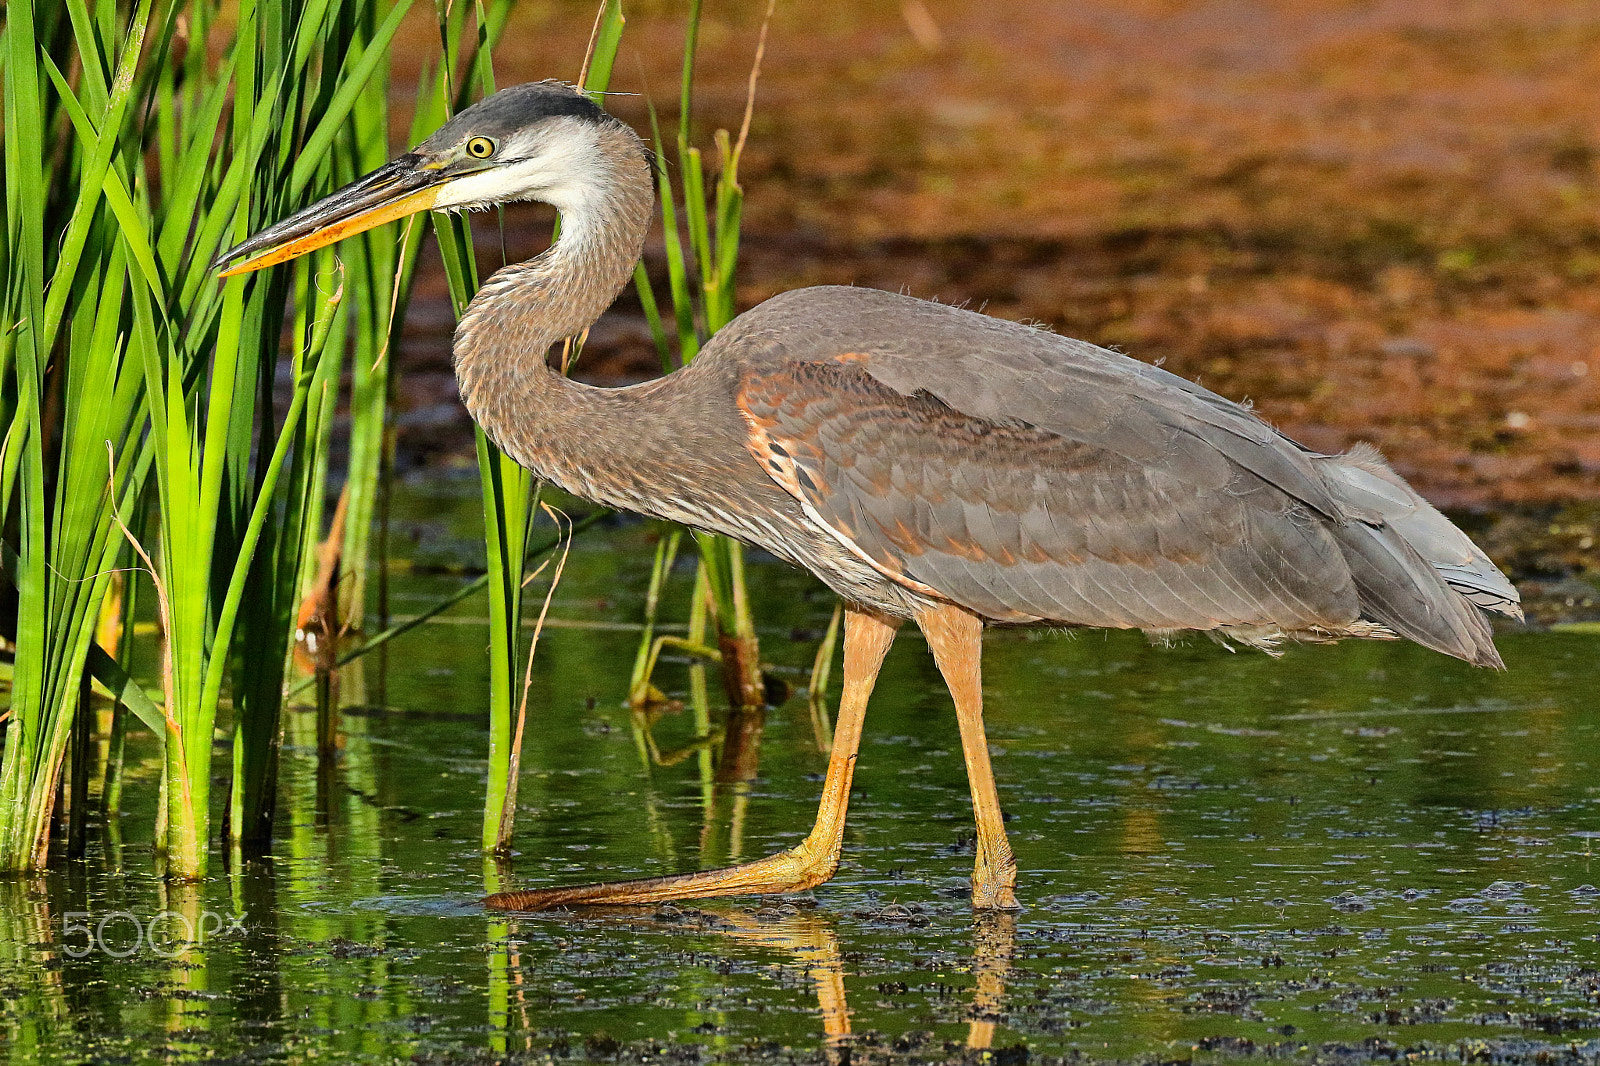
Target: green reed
point(137, 393)
point(127, 370)
point(509, 502)
point(701, 284)
point(60, 243)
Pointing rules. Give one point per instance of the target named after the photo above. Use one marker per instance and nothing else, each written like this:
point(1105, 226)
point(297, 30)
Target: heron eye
point(480, 148)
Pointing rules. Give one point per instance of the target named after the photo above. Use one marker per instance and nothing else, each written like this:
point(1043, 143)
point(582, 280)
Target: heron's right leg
point(956, 639)
point(866, 640)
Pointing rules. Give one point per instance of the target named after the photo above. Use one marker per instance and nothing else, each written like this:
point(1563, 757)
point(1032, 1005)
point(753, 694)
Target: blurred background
point(1374, 219)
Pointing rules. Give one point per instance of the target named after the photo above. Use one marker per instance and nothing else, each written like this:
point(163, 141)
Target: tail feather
point(1418, 574)
point(1398, 588)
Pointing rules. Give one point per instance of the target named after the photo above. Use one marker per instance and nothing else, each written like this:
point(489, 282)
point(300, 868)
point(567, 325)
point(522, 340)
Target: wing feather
point(1033, 477)
point(1022, 524)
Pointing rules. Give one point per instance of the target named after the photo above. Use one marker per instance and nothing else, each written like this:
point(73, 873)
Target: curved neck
point(502, 340)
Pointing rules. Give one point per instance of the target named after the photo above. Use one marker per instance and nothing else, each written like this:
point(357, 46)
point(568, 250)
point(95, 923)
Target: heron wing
point(1021, 523)
point(1114, 492)
point(1014, 375)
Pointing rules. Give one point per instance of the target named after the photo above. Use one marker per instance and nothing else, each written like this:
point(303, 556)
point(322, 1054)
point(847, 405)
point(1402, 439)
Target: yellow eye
point(480, 148)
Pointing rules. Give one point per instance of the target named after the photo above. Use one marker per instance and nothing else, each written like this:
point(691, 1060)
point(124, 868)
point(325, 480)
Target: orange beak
point(395, 190)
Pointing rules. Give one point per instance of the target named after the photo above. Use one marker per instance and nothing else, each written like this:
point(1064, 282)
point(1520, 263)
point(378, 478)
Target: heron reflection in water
point(925, 462)
point(811, 940)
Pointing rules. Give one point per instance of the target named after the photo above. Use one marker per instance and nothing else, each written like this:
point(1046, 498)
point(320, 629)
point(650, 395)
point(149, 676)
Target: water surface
point(1358, 852)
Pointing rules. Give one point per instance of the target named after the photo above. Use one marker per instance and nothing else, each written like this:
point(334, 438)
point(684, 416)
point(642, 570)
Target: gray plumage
point(1030, 477)
point(925, 462)
point(912, 454)
point(908, 452)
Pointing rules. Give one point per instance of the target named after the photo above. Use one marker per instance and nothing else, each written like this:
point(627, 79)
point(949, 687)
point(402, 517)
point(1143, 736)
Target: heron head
point(540, 141)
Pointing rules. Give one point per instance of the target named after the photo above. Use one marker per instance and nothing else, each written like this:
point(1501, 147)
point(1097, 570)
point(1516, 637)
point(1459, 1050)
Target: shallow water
point(1351, 852)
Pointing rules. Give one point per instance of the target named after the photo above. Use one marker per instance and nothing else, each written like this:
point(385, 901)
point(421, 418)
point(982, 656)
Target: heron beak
point(397, 189)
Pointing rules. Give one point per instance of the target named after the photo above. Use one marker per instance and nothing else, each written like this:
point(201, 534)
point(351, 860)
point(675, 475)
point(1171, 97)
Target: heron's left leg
point(867, 637)
point(956, 638)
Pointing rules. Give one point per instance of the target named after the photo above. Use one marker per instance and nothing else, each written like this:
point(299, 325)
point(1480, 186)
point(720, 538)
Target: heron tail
point(1414, 571)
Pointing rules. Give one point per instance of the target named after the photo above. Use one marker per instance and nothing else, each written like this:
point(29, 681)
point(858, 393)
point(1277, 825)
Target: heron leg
point(956, 638)
point(867, 637)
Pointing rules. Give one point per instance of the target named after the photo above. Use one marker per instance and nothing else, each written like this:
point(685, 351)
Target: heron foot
point(994, 883)
point(867, 638)
point(796, 870)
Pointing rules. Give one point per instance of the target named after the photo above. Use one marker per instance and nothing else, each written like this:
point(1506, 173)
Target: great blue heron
point(924, 462)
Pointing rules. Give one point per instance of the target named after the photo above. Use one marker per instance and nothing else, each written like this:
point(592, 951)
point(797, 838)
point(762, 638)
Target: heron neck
point(501, 343)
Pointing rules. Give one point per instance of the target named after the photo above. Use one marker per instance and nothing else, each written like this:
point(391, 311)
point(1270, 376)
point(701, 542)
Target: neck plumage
point(501, 343)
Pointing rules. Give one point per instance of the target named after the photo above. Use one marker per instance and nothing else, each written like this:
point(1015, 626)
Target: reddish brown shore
point(1375, 219)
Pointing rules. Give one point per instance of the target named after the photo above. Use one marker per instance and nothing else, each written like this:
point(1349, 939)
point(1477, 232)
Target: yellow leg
point(956, 638)
point(866, 640)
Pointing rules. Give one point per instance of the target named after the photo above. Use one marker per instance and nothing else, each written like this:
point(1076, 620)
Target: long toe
point(795, 870)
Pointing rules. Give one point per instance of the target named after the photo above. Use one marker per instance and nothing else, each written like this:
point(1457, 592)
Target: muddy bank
point(1375, 220)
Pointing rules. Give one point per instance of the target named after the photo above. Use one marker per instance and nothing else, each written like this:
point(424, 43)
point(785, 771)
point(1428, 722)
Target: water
point(1353, 852)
